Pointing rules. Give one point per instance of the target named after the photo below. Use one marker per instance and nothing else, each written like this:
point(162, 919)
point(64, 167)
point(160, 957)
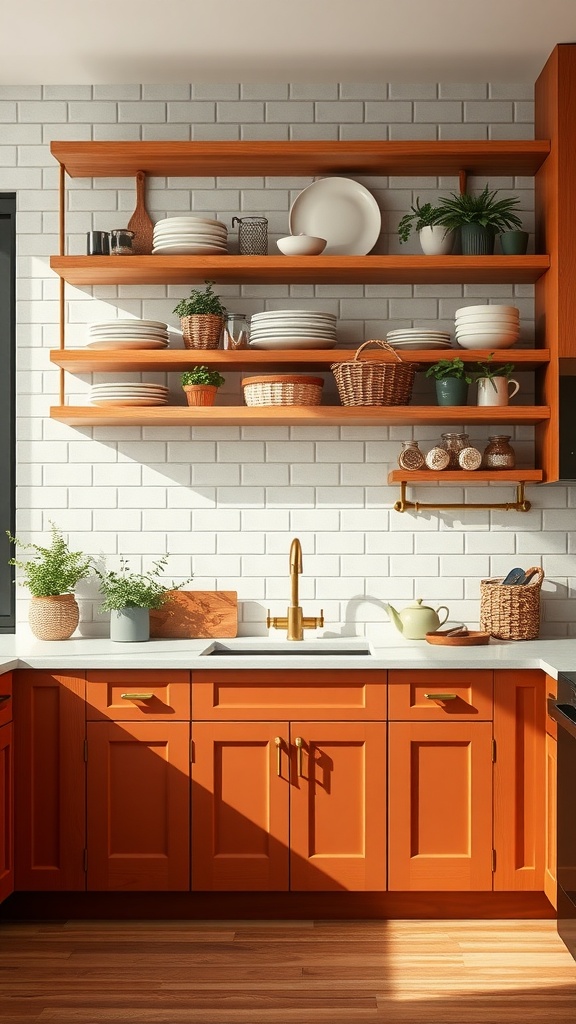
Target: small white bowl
point(301, 245)
point(488, 310)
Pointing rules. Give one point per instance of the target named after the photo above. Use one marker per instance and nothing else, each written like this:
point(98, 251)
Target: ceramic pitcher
point(496, 390)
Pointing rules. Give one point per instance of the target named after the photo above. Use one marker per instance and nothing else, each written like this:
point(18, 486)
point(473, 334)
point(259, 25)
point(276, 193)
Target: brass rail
point(520, 505)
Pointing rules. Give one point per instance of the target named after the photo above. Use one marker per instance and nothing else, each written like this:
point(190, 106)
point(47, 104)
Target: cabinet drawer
point(467, 693)
point(5, 698)
point(137, 695)
point(286, 694)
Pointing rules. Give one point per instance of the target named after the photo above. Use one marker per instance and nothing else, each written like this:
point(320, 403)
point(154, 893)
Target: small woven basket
point(53, 618)
point(511, 612)
point(282, 390)
point(201, 330)
point(374, 382)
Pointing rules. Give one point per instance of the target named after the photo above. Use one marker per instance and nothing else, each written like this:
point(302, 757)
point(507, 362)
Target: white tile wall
point(225, 503)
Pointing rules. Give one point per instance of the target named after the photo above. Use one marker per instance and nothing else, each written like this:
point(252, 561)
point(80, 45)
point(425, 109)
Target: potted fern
point(435, 240)
point(452, 381)
point(51, 575)
point(202, 318)
point(201, 384)
point(480, 218)
point(129, 596)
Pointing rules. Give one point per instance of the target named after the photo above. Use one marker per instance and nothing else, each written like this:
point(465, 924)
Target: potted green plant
point(51, 575)
point(435, 240)
point(494, 382)
point(202, 318)
point(480, 218)
point(201, 384)
point(129, 596)
point(452, 380)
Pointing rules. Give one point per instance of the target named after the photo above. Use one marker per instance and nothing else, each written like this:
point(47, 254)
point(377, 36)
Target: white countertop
point(552, 656)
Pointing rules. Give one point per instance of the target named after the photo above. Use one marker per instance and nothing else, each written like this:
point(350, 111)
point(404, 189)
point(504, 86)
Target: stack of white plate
point(190, 236)
point(128, 334)
point(293, 328)
point(487, 326)
point(418, 338)
point(128, 394)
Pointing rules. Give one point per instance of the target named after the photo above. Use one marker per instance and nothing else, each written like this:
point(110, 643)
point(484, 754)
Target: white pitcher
point(495, 390)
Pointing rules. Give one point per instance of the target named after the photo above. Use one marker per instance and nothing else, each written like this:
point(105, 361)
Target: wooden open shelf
point(97, 270)
point(429, 476)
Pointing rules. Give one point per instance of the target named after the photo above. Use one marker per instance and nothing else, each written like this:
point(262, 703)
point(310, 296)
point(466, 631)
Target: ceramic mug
point(495, 390)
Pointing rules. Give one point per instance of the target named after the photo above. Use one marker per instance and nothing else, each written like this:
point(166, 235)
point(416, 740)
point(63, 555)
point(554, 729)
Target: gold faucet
point(295, 622)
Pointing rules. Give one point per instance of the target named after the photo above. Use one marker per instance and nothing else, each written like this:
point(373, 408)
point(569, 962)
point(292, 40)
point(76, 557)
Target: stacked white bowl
point(487, 326)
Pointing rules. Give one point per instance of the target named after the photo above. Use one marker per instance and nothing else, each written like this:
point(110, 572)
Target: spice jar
point(437, 458)
point(454, 444)
point(499, 453)
point(470, 458)
point(121, 242)
point(410, 456)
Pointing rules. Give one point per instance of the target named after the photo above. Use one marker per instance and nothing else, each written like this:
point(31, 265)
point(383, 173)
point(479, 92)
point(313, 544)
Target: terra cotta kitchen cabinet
point(6, 812)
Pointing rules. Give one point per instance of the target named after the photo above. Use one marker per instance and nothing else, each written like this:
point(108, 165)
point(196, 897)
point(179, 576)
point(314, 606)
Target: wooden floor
point(298, 972)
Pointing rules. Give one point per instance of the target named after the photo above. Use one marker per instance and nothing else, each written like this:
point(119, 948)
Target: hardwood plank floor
point(298, 972)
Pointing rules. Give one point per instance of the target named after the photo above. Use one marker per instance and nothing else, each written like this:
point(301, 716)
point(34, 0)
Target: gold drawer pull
point(136, 696)
point(298, 744)
point(441, 696)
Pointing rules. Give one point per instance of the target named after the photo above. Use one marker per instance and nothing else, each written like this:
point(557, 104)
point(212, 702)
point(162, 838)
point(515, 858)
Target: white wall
point(226, 502)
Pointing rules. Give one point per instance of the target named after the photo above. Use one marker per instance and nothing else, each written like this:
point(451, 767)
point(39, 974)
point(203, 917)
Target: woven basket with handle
point(201, 330)
point(511, 612)
point(374, 382)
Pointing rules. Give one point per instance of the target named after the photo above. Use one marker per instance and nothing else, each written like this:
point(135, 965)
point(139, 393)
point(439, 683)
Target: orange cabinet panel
point(519, 779)
point(240, 800)
point(286, 694)
point(440, 799)
point(467, 695)
point(137, 695)
point(49, 780)
point(5, 698)
point(138, 805)
point(6, 813)
point(551, 816)
point(338, 806)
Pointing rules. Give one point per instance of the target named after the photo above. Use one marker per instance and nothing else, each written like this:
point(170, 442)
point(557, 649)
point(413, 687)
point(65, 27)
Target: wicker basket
point(282, 390)
point(201, 330)
point(53, 618)
point(511, 612)
point(374, 382)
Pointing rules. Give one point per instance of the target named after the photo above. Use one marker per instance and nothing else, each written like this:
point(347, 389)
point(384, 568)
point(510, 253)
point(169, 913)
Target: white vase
point(130, 625)
point(436, 241)
point(495, 390)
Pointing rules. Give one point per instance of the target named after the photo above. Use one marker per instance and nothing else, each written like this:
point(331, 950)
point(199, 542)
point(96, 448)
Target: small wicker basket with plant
point(202, 318)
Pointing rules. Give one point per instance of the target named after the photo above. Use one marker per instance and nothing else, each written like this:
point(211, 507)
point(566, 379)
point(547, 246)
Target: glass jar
point(454, 444)
point(252, 235)
point(410, 456)
point(236, 331)
point(121, 240)
point(499, 453)
point(437, 458)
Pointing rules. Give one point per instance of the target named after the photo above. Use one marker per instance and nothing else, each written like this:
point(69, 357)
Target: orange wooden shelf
point(428, 476)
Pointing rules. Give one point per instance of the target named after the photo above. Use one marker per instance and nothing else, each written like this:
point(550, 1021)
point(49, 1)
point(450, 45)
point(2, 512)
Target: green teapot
point(417, 619)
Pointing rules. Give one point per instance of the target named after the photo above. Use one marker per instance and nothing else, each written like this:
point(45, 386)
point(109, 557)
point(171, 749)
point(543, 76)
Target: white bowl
point(472, 332)
point(488, 310)
point(488, 325)
point(476, 318)
point(301, 245)
point(487, 341)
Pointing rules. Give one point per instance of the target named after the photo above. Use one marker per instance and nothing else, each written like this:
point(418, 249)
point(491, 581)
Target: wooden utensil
point(140, 222)
point(472, 639)
point(201, 614)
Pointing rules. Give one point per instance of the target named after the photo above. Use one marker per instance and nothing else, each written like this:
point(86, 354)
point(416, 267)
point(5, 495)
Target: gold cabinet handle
point(298, 744)
point(441, 696)
point(278, 743)
point(136, 696)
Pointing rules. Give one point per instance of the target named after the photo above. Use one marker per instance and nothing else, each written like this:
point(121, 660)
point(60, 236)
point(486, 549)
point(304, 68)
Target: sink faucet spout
point(295, 622)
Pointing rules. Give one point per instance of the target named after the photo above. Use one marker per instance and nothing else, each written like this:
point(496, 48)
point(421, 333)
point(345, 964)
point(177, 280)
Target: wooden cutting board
point(191, 614)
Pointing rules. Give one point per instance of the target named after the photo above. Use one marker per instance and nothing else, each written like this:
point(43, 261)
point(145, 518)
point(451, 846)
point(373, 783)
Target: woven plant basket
point(200, 394)
point(282, 390)
point(201, 330)
point(511, 612)
point(53, 618)
point(374, 382)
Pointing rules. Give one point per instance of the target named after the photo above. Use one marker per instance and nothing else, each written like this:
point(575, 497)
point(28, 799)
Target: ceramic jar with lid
point(499, 453)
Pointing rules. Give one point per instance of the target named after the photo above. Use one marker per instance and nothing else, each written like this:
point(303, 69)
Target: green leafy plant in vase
point(129, 596)
point(51, 575)
point(435, 239)
point(202, 316)
point(494, 382)
point(201, 385)
point(480, 218)
point(452, 380)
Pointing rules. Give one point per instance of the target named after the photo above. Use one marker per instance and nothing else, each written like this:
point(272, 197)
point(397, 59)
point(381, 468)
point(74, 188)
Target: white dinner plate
point(129, 401)
point(272, 313)
point(189, 221)
point(340, 210)
point(132, 322)
point(263, 335)
point(128, 343)
point(129, 332)
point(198, 229)
point(287, 343)
point(161, 243)
point(190, 250)
point(417, 332)
point(411, 346)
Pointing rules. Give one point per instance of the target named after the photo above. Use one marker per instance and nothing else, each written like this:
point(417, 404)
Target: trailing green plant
point(491, 370)
point(484, 209)
point(426, 216)
point(199, 302)
point(202, 375)
point(446, 368)
point(126, 589)
point(52, 570)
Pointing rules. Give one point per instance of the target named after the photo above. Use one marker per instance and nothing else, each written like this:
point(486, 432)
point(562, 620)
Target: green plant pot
point(476, 240)
point(514, 243)
point(451, 391)
point(130, 625)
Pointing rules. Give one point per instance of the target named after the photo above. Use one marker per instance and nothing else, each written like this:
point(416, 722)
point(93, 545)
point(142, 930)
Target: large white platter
point(340, 210)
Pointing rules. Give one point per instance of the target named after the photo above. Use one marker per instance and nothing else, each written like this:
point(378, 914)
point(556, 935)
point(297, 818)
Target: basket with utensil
point(512, 612)
point(374, 381)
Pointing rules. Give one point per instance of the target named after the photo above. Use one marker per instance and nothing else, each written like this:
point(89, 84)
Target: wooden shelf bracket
point(520, 505)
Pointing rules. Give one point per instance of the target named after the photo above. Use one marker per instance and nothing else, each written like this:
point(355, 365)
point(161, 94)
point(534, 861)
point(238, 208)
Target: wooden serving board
point(473, 639)
point(196, 614)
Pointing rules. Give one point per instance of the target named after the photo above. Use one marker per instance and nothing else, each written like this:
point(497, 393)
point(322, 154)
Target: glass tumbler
point(121, 240)
point(252, 235)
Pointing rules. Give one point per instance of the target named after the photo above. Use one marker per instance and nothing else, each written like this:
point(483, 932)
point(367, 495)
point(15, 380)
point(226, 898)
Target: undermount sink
point(300, 648)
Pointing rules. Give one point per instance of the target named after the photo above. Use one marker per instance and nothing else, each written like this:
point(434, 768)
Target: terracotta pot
point(200, 394)
point(53, 618)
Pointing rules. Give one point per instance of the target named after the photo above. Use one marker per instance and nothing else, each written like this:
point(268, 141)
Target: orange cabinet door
point(551, 789)
point(137, 695)
point(338, 806)
point(138, 805)
point(49, 780)
point(519, 779)
point(440, 797)
point(440, 696)
point(5, 698)
point(6, 813)
point(240, 799)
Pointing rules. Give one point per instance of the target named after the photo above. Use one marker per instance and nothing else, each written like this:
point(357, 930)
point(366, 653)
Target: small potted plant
point(452, 381)
point(129, 596)
point(494, 382)
point(480, 218)
point(51, 576)
point(201, 385)
point(435, 240)
point(202, 318)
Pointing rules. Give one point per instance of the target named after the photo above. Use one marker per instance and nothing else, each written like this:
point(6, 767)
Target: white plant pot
point(436, 241)
point(130, 625)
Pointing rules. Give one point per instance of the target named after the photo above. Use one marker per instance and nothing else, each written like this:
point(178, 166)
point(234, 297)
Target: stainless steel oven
point(563, 711)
